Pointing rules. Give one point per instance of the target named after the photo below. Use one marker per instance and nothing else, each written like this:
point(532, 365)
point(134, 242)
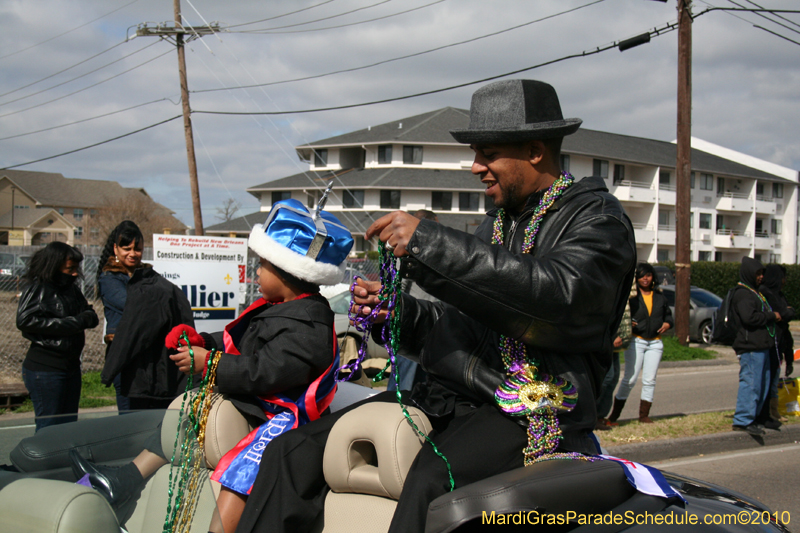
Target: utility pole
point(684, 168)
point(175, 34)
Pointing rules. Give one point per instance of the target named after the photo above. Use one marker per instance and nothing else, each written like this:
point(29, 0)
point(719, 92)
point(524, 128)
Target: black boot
point(116, 483)
point(616, 411)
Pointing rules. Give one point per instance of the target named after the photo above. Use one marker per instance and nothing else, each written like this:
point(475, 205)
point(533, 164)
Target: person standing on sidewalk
point(651, 317)
point(756, 336)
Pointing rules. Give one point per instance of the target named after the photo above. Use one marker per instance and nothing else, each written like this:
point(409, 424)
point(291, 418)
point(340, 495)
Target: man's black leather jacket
point(54, 317)
point(564, 300)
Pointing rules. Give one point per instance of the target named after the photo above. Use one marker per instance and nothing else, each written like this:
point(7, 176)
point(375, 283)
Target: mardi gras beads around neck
point(192, 449)
point(391, 279)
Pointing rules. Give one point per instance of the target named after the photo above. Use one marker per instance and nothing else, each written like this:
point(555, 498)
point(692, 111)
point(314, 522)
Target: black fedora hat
point(515, 111)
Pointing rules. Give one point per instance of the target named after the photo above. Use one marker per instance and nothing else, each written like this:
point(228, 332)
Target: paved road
point(768, 474)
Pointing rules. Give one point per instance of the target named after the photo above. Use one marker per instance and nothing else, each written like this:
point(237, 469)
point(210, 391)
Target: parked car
point(664, 276)
point(12, 266)
point(702, 305)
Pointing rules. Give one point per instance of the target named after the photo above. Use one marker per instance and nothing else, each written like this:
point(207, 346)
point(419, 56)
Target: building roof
point(52, 189)
point(626, 148)
point(431, 127)
point(377, 178)
point(27, 217)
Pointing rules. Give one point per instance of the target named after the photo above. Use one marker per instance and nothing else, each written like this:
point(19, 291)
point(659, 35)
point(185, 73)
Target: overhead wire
point(732, 12)
point(92, 145)
point(87, 119)
point(283, 15)
point(790, 21)
point(384, 17)
point(764, 16)
point(77, 77)
point(68, 31)
point(87, 87)
point(321, 19)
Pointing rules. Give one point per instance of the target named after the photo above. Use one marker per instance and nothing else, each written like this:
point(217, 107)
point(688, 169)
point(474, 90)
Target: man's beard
point(511, 199)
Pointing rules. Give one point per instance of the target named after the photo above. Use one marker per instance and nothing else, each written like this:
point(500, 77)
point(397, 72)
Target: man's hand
point(617, 343)
point(777, 316)
point(395, 229)
point(184, 359)
point(664, 327)
point(365, 298)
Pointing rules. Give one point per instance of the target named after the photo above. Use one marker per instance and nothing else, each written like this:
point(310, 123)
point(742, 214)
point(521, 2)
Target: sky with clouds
point(65, 62)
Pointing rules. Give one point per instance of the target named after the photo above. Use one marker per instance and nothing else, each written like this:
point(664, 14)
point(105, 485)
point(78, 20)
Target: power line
point(68, 31)
point(85, 88)
point(284, 15)
point(775, 34)
point(324, 18)
point(666, 29)
point(344, 25)
point(405, 56)
point(85, 119)
point(93, 145)
point(76, 77)
point(764, 16)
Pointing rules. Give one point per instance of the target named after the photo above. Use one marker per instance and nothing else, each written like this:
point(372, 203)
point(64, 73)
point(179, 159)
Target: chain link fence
point(13, 346)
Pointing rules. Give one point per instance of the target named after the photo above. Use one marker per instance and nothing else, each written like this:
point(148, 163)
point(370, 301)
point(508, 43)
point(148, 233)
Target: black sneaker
point(752, 429)
point(773, 424)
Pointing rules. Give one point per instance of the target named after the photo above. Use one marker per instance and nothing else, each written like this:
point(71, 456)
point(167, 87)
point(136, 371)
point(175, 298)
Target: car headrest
point(225, 427)
point(370, 449)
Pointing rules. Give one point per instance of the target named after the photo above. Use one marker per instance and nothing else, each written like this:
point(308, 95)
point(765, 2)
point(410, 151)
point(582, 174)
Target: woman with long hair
point(650, 317)
point(121, 256)
point(53, 314)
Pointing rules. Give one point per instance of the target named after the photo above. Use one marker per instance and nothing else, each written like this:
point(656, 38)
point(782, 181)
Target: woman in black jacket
point(53, 314)
point(650, 316)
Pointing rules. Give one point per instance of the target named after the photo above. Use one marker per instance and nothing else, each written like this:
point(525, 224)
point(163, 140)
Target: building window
point(663, 221)
point(78, 232)
point(777, 190)
point(442, 200)
point(94, 232)
point(619, 173)
point(412, 155)
point(321, 157)
point(775, 258)
point(22, 207)
point(662, 255)
point(705, 220)
point(706, 182)
point(385, 154)
point(691, 180)
point(565, 162)
point(777, 227)
point(92, 213)
point(720, 186)
point(277, 196)
point(355, 199)
point(468, 201)
point(390, 199)
point(759, 189)
point(663, 180)
point(61, 211)
point(600, 168)
point(718, 257)
point(312, 198)
point(704, 256)
point(77, 214)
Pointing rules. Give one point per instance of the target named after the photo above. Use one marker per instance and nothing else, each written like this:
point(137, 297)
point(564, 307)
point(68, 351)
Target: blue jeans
point(53, 393)
point(641, 356)
point(754, 380)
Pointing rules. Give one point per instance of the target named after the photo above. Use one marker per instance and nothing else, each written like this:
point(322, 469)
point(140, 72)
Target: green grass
point(93, 394)
point(673, 351)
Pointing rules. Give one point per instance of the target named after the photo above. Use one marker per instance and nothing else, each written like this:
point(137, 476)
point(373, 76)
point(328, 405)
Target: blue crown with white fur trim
point(312, 249)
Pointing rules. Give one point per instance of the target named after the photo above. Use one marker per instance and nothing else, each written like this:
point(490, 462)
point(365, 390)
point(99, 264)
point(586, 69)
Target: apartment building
point(740, 205)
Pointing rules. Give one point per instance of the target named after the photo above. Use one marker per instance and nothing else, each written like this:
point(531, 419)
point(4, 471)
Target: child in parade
point(277, 360)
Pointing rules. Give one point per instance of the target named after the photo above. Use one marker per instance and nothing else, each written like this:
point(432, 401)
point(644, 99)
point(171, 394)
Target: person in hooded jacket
point(755, 338)
point(53, 314)
point(770, 288)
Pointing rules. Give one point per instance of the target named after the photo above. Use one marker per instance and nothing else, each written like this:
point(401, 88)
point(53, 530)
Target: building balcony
point(732, 240)
point(634, 191)
point(763, 241)
point(765, 205)
point(644, 233)
point(666, 234)
point(666, 194)
point(736, 202)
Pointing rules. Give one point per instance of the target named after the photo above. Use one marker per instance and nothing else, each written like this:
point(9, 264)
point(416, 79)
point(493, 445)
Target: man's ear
point(536, 152)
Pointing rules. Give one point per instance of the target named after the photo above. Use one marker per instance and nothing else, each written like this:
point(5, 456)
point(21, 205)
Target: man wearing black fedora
point(543, 280)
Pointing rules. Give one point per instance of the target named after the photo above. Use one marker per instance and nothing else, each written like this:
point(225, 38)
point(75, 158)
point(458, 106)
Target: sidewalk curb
point(666, 449)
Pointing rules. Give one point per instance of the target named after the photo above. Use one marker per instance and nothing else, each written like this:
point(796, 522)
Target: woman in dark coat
point(770, 288)
point(650, 316)
point(53, 314)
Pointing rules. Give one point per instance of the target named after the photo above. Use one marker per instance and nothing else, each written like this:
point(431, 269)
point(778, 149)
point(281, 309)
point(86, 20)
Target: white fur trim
point(295, 264)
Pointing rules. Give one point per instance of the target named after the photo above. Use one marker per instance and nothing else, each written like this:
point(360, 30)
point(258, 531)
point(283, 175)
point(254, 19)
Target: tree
point(228, 209)
point(137, 206)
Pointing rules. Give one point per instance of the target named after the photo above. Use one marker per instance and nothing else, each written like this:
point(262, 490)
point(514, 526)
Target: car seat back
point(367, 457)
